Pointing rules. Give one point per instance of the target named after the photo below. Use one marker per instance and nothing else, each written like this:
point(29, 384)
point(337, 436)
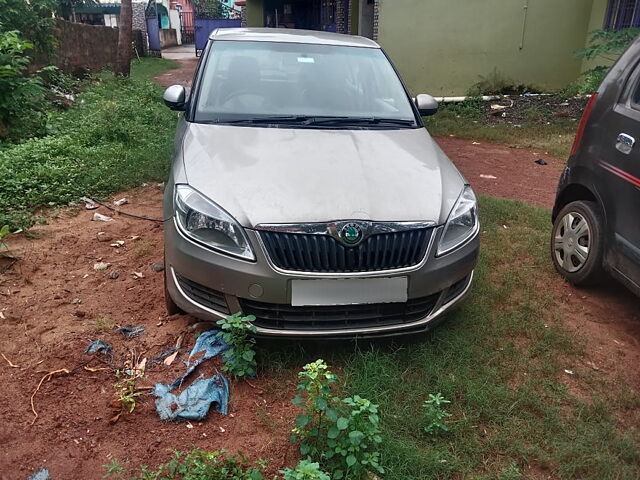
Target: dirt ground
point(53, 303)
point(505, 172)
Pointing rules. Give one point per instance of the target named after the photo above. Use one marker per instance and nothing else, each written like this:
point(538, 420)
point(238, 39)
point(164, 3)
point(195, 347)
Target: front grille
point(202, 295)
point(287, 317)
point(302, 252)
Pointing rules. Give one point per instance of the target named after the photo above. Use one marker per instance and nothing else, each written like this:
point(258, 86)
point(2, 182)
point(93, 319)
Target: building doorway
point(365, 23)
point(301, 14)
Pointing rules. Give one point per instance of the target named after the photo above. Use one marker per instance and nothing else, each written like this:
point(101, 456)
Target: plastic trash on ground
point(130, 331)
point(196, 400)
point(99, 346)
point(42, 474)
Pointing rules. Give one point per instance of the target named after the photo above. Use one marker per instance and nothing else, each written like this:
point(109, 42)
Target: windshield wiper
point(298, 119)
point(360, 121)
point(316, 120)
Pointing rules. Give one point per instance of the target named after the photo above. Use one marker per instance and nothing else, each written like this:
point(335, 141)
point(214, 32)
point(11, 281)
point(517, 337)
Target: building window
point(622, 14)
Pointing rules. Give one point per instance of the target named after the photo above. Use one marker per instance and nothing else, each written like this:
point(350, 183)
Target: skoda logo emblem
point(351, 233)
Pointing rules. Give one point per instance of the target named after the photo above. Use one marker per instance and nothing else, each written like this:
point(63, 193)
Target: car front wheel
point(577, 242)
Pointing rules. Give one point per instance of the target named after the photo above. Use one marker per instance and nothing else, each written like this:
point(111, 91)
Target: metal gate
point(153, 32)
point(187, 29)
point(204, 27)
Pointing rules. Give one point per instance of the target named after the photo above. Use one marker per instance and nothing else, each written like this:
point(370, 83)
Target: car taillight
point(583, 123)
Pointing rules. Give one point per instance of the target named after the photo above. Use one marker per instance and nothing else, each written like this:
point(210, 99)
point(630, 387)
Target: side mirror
point(175, 97)
point(427, 105)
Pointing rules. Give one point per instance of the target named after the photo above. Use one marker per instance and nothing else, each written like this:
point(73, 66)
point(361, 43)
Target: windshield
point(289, 82)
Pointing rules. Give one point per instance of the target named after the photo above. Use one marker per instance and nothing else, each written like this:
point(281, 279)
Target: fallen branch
point(11, 364)
point(42, 380)
point(98, 369)
point(260, 391)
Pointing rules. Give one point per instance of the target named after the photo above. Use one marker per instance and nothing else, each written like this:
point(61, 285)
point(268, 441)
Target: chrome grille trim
point(313, 249)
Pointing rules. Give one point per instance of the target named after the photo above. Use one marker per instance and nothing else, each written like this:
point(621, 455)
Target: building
point(444, 47)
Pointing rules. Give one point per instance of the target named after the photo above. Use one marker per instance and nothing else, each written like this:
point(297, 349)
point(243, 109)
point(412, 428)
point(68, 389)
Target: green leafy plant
point(240, 358)
point(608, 44)
point(4, 233)
point(471, 107)
point(194, 465)
point(604, 45)
point(21, 95)
point(211, 9)
point(126, 390)
point(341, 435)
point(305, 470)
point(33, 19)
point(113, 469)
point(435, 415)
point(117, 136)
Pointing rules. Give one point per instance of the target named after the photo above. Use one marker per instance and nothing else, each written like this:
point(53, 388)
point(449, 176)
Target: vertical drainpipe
point(524, 23)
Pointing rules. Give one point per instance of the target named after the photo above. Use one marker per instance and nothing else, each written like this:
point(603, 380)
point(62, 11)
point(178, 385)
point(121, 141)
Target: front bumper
point(203, 283)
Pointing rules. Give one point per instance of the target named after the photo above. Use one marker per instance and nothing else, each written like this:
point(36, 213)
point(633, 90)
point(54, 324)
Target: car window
point(252, 79)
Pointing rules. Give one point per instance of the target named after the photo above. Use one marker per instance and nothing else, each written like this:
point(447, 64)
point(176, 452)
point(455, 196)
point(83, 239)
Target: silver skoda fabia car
point(305, 191)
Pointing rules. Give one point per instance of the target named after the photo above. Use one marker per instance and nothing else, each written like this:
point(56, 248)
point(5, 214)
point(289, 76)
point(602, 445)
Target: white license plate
point(348, 291)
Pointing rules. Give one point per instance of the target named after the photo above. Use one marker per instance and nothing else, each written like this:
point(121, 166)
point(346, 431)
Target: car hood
point(300, 175)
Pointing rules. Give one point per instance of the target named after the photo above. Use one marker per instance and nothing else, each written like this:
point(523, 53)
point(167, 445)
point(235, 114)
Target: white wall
point(174, 21)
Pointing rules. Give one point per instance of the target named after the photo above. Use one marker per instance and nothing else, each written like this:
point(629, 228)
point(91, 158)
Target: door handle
point(625, 143)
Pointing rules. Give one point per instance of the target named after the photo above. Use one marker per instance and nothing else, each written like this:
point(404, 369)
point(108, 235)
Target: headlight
point(462, 223)
point(206, 223)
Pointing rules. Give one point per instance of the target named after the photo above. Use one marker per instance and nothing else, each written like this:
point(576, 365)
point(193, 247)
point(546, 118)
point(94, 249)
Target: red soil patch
point(518, 177)
point(53, 300)
point(182, 75)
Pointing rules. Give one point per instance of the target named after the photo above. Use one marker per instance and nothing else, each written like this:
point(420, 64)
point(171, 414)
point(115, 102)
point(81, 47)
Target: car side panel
point(609, 174)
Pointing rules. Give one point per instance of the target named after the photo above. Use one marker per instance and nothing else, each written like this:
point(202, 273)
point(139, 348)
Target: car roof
point(287, 35)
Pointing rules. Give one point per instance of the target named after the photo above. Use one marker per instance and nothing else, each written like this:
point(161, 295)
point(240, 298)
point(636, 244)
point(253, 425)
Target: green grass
point(147, 68)
point(555, 138)
point(118, 136)
point(500, 359)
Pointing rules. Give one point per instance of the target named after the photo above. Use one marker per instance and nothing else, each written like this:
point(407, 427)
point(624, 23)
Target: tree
point(66, 8)
point(33, 19)
point(210, 9)
point(125, 37)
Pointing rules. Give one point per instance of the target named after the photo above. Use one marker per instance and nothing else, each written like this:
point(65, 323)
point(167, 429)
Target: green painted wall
point(255, 13)
point(443, 46)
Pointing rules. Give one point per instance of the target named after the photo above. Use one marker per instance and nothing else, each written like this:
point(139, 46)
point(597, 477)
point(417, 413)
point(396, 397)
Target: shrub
point(118, 136)
point(341, 435)
point(33, 19)
point(608, 44)
point(471, 107)
point(305, 470)
point(240, 359)
point(20, 94)
point(604, 45)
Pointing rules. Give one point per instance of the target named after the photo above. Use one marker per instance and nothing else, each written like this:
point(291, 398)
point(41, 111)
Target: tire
point(577, 243)
point(172, 308)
